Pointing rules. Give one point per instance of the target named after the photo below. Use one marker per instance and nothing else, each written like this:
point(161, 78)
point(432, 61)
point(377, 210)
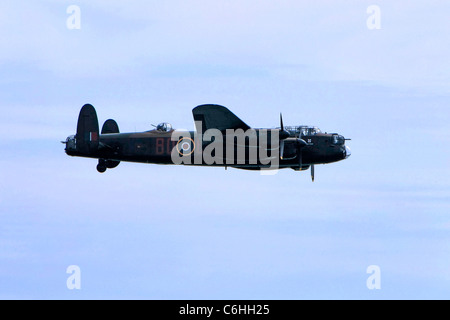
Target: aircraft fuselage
point(297, 147)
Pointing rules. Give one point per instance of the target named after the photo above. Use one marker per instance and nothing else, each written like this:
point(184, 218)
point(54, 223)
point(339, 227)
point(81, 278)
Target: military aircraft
point(220, 139)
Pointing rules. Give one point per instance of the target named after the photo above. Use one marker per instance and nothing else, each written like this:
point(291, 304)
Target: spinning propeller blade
point(282, 135)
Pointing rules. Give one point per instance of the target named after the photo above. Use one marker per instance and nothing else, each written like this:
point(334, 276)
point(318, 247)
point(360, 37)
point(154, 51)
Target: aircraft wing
point(213, 116)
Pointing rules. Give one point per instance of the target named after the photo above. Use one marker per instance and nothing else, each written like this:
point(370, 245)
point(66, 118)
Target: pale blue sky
point(173, 232)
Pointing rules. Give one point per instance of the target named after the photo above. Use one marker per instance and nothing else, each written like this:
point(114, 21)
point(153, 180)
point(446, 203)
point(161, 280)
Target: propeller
point(300, 145)
point(283, 134)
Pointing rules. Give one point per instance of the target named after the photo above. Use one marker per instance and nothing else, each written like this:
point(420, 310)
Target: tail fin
point(110, 126)
point(87, 130)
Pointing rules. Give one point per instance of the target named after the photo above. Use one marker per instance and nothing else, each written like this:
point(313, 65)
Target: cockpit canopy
point(299, 131)
point(164, 127)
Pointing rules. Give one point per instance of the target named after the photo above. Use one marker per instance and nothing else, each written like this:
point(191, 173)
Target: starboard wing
point(213, 116)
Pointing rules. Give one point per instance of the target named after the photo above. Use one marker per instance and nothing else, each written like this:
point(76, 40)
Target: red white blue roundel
point(185, 146)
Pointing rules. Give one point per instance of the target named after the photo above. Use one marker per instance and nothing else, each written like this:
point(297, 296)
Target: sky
point(144, 231)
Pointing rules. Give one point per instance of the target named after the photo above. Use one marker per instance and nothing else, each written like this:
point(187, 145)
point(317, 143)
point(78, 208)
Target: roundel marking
point(185, 146)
